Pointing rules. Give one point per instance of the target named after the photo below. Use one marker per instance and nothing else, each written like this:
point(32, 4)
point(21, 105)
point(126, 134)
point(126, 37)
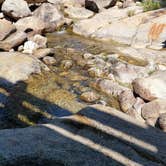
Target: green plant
point(131, 13)
point(149, 5)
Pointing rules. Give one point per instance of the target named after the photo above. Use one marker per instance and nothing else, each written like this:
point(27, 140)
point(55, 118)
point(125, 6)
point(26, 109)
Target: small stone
point(42, 52)
point(126, 100)
point(66, 64)
point(162, 121)
point(1, 15)
point(89, 96)
point(30, 47)
point(41, 41)
point(48, 60)
point(20, 48)
point(95, 72)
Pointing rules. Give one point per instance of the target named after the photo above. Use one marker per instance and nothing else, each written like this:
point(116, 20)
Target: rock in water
point(91, 5)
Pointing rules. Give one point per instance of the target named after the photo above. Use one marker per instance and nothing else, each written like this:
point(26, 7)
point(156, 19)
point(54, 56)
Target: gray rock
point(151, 87)
point(109, 87)
point(83, 140)
point(15, 66)
point(16, 8)
point(50, 15)
point(89, 96)
point(48, 60)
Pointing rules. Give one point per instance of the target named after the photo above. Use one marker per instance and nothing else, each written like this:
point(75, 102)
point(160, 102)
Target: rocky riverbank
point(59, 58)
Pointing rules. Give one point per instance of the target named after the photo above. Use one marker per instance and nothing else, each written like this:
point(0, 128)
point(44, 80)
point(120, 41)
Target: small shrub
point(131, 13)
point(149, 5)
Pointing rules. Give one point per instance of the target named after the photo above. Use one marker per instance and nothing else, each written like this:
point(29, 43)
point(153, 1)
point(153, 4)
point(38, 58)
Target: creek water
point(56, 93)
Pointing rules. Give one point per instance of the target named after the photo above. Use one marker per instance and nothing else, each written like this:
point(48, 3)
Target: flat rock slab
point(85, 139)
point(15, 66)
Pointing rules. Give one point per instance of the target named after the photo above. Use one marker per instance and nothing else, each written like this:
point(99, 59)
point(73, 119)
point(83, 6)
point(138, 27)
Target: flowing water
point(57, 93)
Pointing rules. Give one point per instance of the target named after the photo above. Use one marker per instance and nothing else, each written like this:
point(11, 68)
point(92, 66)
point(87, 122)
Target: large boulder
point(96, 136)
point(16, 8)
point(50, 15)
point(142, 30)
point(32, 22)
point(99, 20)
point(152, 87)
point(15, 66)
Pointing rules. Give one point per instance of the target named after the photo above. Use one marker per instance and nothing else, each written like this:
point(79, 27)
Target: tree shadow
point(22, 109)
point(94, 136)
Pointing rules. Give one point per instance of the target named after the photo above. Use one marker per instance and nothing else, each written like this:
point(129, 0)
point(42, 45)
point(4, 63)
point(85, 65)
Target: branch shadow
point(103, 137)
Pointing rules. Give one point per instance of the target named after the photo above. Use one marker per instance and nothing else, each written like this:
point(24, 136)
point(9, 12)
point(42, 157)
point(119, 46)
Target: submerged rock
point(89, 96)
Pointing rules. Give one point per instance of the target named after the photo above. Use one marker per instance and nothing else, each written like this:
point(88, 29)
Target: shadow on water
point(92, 137)
point(22, 108)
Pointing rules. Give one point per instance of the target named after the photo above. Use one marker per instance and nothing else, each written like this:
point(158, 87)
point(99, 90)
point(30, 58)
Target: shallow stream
point(57, 93)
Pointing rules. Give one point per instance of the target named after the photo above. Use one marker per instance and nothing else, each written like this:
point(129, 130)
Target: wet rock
point(15, 66)
point(89, 97)
point(78, 13)
point(96, 72)
point(6, 27)
point(66, 64)
point(14, 40)
point(48, 60)
point(162, 121)
point(109, 87)
point(32, 22)
point(50, 15)
point(151, 87)
point(16, 8)
point(41, 53)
